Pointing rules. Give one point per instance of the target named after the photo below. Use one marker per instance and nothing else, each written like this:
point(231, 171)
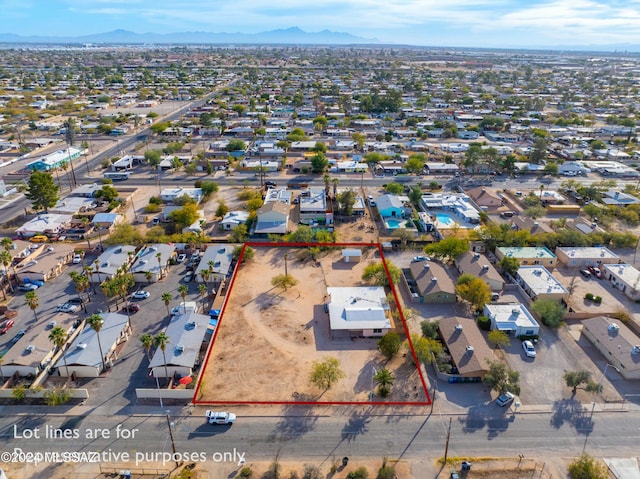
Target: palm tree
point(33, 302)
point(81, 282)
point(166, 299)
point(96, 322)
point(384, 379)
point(204, 274)
point(541, 190)
point(160, 341)
point(6, 243)
point(6, 260)
point(148, 275)
point(159, 258)
point(147, 342)
point(335, 182)
point(327, 179)
point(58, 337)
point(97, 268)
point(202, 291)
point(88, 271)
point(183, 290)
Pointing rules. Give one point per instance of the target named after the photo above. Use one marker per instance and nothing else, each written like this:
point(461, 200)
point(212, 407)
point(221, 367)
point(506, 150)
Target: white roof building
point(44, 224)
point(277, 194)
point(169, 195)
point(513, 318)
point(111, 261)
point(233, 219)
point(538, 282)
point(624, 277)
point(147, 262)
point(217, 261)
point(586, 256)
point(361, 311)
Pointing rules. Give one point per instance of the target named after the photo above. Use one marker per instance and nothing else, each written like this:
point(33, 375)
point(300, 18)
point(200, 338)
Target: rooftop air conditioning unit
point(52, 324)
point(469, 349)
point(81, 346)
point(31, 348)
point(515, 311)
point(476, 255)
point(180, 348)
point(636, 349)
point(425, 265)
point(613, 328)
point(485, 267)
point(458, 327)
point(434, 279)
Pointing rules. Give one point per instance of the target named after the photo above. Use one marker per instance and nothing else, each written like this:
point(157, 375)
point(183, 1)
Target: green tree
point(125, 233)
point(509, 265)
point(430, 329)
point(415, 195)
point(425, 348)
point(209, 188)
point(415, 163)
point(58, 336)
point(183, 289)
point(319, 162)
point(153, 157)
point(499, 338)
point(239, 234)
point(384, 379)
point(360, 473)
point(161, 340)
point(42, 191)
point(284, 281)
point(574, 379)
point(394, 188)
point(166, 299)
point(185, 216)
point(448, 248)
point(222, 209)
point(96, 322)
point(236, 145)
point(500, 379)
point(33, 302)
point(375, 273)
point(56, 396)
point(346, 200)
point(325, 373)
point(476, 292)
point(147, 341)
point(390, 344)
point(550, 312)
point(586, 467)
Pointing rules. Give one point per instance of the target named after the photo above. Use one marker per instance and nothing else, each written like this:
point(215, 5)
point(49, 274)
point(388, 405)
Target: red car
point(6, 325)
point(133, 308)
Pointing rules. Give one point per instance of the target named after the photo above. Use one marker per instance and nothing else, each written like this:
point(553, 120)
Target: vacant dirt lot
point(268, 337)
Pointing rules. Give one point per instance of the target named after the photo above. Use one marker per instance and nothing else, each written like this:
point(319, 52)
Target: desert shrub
point(484, 323)
point(246, 472)
point(588, 297)
point(597, 299)
point(360, 473)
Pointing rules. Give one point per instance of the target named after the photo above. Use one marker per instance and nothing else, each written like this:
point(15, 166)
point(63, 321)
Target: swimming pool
point(393, 224)
point(444, 219)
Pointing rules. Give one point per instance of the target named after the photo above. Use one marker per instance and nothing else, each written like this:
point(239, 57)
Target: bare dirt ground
point(269, 338)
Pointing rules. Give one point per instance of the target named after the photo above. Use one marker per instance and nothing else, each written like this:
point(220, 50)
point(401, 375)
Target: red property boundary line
point(314, 403)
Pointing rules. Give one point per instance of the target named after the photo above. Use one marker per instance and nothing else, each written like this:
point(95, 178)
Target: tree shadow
point(295, 423)
point(357, 425)
point(570, 411)
point(487, 415)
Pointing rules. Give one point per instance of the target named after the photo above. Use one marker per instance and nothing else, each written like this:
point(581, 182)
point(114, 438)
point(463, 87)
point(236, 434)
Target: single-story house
point(107, 220)
point(538, 283)
point(581, 257)
point(313, 205)
point(433, 282)
point(390, 206)
point(272, 218)
point(624, 277)
point(478, 265)
point(110, 261)
point(216, 263)
point(147, 268)
point(522, 223)
point(44, 224)
point(169, 195)
point(55, 160)
point(186, 333)
point(467, 347)
point(528, 255)
point(513, 318)
point(359, 311)
point(34, 350)
point(618, 344)
point(72, 205)
point(47, 265)
point(83, 359)
point(485, 198)
point(233, 219)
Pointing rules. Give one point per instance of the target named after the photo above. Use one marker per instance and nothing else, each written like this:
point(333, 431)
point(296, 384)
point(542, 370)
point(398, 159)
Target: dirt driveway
point(268, 337)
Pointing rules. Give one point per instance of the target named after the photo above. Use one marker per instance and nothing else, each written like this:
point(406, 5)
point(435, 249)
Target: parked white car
point(220, 417)
point(142, 294)
point(77, 258)
point(67, 308)
point(529, 350)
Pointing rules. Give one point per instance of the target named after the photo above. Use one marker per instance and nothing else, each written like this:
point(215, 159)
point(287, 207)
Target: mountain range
point(288, 36)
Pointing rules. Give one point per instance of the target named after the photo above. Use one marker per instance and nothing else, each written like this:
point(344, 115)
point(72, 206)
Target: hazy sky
point(482, 23)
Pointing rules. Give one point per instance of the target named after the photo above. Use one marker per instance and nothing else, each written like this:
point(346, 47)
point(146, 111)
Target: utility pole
point(446, 444)
point(173, 443)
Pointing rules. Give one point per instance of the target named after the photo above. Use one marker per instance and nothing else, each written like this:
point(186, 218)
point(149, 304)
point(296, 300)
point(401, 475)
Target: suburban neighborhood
point(230, 234)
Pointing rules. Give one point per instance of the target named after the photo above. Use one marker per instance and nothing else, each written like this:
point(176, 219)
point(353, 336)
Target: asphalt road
point(323, 437)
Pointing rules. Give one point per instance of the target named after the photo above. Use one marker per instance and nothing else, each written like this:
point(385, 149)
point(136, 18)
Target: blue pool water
point(394, 224)
point(444, 219)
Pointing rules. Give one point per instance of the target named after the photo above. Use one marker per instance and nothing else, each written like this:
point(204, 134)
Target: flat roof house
point(34, 351)
point(55, 160)
point(233, 219)
point(147, 262)
point(479, 266)
point(216, 261)
point(110, 261)
point(83, 356)
point(513, 318)
point(433, 282)
point(47, 265)
point(624, 277)
point(186, 333)
point(313, 205)
point(359, 311)
point(390, 206)
point(45, 224)
point(528, 255)
point(467, 347)
point(169, 195)
point(581, 257)
point(618, 344)
point(539, 283)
